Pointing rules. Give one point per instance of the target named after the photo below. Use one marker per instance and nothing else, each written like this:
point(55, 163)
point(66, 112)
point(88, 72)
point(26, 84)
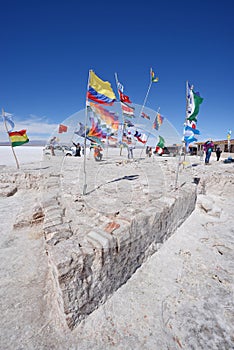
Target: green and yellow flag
point(18, 138)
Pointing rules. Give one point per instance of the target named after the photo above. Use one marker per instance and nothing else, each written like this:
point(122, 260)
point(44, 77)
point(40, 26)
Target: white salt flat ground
point(181, 298)
point(34, 154)
point(24, 154)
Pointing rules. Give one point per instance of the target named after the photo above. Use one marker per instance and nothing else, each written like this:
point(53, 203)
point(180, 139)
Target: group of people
point(208, 149)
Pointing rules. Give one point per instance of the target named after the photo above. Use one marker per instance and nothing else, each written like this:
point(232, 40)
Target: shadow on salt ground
point(126, 177)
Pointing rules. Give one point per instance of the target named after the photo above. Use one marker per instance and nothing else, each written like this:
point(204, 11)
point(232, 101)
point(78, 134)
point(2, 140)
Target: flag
point(140, 137)
point(189, 137)
point(145, 116)
point(192, 130)
point(193, 104)
point(81, 131)
point(160, 145)
point(62, 128)
point(124, 98)
point(229, 134)
point(188, 140)
point(18, 138)
point(157, 121)
point(100, 91)
point(127, 110)
point(192, 124)
point(105, 117)
point(128, 123)
point(120, 87)
point(161, 142)
point(8, 118)
point(153, 78)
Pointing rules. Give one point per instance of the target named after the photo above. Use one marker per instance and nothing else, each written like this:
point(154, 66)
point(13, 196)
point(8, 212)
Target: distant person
point(52, 145)
point(150, 152)
point(147, 151)
point(218, 153)
point(208, 148)
point(97, 153)
point(201, 154)
point(121, 149)
point(78, 149)
point(130, 144)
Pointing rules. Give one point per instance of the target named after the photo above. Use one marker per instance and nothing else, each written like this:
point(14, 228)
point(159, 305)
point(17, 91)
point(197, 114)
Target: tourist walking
point(52, 145)
point(208, 148)
point(130, 144)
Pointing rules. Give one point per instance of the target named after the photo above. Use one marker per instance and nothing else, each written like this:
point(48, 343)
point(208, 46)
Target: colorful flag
point(189, 133)
point(140, 137)
point(8, 118)
point(18, 138)
point(161, 142)
point(145, 116)
point(193, 104)
point(105, 117)
point(124, 98)
point(100, 91)
point(127, 110)
point(153, 78)
point(192, 130)
point(188, 140)
point(229, 134)
point(62, 128)
point(160, 145)
point(128, 123)
point(192, 124)
point(158, 121)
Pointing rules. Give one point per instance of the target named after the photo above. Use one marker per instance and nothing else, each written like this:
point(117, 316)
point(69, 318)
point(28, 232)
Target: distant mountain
point(30, 143)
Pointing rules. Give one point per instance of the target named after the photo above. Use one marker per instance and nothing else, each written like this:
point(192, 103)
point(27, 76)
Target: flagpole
point(179, 161)
point(148, 136)
point(123, 119)
point(186, 116)
point(85, 141)
point(146, 96)
point(16, 160)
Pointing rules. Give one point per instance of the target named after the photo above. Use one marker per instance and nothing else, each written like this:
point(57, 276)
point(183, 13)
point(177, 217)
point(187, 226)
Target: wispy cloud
point(37, 128)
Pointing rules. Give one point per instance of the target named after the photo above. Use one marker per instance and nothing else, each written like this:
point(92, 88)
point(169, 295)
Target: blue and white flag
point(8, 118)
point(194, 131)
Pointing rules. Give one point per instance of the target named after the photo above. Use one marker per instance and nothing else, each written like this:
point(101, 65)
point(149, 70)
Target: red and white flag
point(127, 110)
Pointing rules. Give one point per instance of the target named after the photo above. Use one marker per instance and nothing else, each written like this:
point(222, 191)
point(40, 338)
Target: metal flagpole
point(85, 141)
point(123, 118)
point(181, 148)
point(3, 115)
point(143, 106)
point(148, 136)
point(146, 96)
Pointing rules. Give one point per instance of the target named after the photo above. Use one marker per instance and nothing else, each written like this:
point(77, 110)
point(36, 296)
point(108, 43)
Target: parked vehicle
point(171, 151)
point(59, 150)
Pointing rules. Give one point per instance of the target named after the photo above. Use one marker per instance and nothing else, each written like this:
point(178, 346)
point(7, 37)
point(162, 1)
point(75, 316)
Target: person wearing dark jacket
point(78, 149)
point(218, 153)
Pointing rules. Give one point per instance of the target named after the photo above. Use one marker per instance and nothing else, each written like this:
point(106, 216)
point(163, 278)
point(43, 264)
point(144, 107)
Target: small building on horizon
point(223, 144)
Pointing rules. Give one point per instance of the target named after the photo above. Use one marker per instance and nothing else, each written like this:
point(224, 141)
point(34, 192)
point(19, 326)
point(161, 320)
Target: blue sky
point(48, 47)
